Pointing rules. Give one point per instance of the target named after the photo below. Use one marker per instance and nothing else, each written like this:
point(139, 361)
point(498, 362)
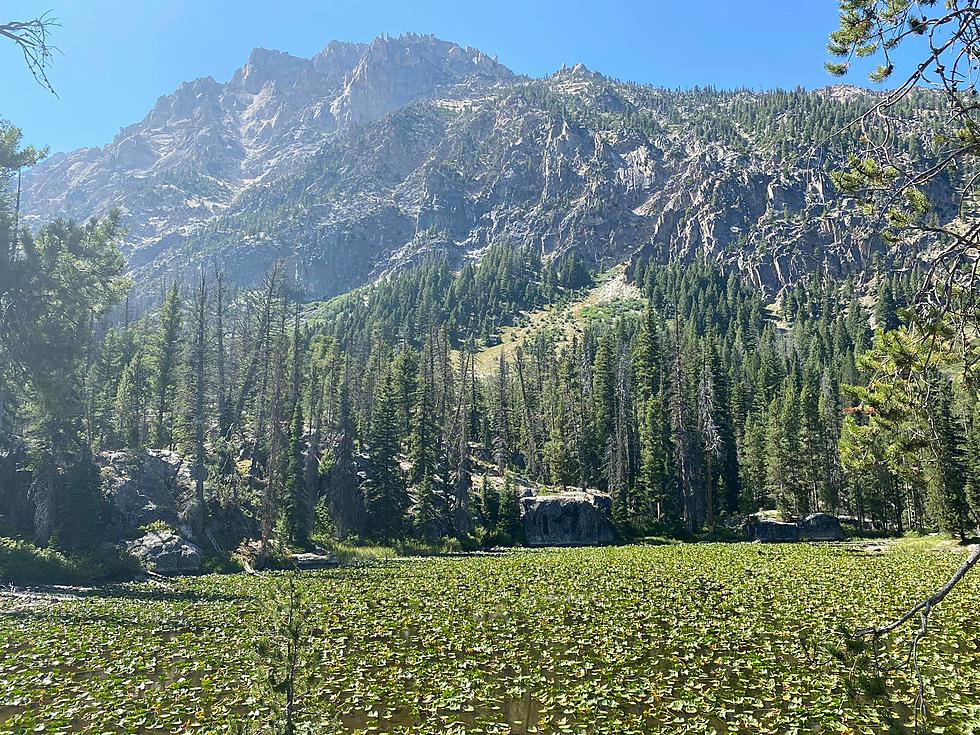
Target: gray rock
point(773, 531)
point(315, 561)
point(143, 488)
point(165, 552)
point(815, 527)
point(821, 527)
point(568, 519)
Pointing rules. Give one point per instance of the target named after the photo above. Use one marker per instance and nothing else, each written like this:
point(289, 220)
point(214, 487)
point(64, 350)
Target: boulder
point(143, 488)
point(821, 527)
point(815, 527)
point(769, 531)
point(568, 519)
point(166, 552)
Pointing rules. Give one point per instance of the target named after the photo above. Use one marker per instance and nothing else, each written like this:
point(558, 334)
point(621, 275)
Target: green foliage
point(509, 524)
point(165, 356)
point(684, 636)
point(297, 505)
point(385, 496)
point(285, 650)
point(474, 303)
point(23, 563)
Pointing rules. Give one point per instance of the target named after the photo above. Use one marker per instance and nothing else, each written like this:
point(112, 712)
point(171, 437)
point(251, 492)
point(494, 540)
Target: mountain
point(367, 157)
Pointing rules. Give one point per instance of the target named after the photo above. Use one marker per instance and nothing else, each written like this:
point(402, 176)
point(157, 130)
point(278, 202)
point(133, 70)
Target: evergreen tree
point(948, 501)
point(489, 503)
point(133, 401)
point(509, 523)
point(166, 353)
point(886, 312)
point(973, 465)
point(194, 403)
point(386, 499)
point(295, 496)
point(424, 440)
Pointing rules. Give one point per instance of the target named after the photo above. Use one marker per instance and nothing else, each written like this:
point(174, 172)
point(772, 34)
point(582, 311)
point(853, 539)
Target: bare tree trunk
point(199, 400)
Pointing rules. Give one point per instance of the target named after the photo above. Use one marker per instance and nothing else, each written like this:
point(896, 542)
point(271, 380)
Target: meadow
point(726, 638)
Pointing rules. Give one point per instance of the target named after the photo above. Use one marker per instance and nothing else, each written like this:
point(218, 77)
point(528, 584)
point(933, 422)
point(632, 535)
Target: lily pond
point(725, 638)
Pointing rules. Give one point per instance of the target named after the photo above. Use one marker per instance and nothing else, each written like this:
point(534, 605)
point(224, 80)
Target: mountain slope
point(365, 158)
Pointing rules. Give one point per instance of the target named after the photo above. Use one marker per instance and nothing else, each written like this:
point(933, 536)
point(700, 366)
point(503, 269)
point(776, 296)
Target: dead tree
point(33, 38)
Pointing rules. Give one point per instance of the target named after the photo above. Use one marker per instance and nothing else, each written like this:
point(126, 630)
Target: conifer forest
point(394, 391)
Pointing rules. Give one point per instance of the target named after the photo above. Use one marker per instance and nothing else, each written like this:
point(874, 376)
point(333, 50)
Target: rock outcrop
point(166, 552)
point(770, 531)
point(568, 519)
point(815, 527)
point(821, 527)
point(143, 488)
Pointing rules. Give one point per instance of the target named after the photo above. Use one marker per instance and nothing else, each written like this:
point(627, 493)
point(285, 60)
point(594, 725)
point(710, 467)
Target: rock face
point(773, 531)
point(165, 552)
point(143, 488)
point(569, 519)
point(821, 527)
point(815, 527)
point(367, 158)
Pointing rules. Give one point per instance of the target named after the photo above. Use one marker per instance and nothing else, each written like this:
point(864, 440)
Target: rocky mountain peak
point(364, 158)
point(578, 70)
point(265, 66)
point(394, 71)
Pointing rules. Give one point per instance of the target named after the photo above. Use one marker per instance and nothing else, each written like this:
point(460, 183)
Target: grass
point(680, 638)
point(610, 297)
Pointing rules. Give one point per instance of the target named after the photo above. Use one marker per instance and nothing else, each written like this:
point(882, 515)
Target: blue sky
point(119, 56)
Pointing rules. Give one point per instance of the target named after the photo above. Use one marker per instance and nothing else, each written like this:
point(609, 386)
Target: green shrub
point(24, 563)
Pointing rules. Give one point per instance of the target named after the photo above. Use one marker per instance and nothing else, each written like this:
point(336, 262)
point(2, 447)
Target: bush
point(25, 563)
point(221, 564)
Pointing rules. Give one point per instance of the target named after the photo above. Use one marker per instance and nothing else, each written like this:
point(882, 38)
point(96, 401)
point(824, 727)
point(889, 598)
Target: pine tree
point(948, 501)
point(646, 356)
point(501, 418)
point(973, 465)
point(133, 401)
point(812, 437)
point(385, 498)
point(655, 473)
point(424, 439)
point(405, 374)
point(295, 496)
point(753, 463)
point(604, 390)
point(344, 497)
point(561, 454)
point(192, 428)
point(431, 513)
point(489, 504)
point(886, 312)
point(509, 523)
point(166, 353)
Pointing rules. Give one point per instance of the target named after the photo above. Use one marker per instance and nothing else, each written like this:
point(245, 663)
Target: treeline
point(471, 304)
point(379, 419)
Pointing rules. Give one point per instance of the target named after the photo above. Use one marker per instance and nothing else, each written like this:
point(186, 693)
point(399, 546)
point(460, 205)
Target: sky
point(118, 56)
